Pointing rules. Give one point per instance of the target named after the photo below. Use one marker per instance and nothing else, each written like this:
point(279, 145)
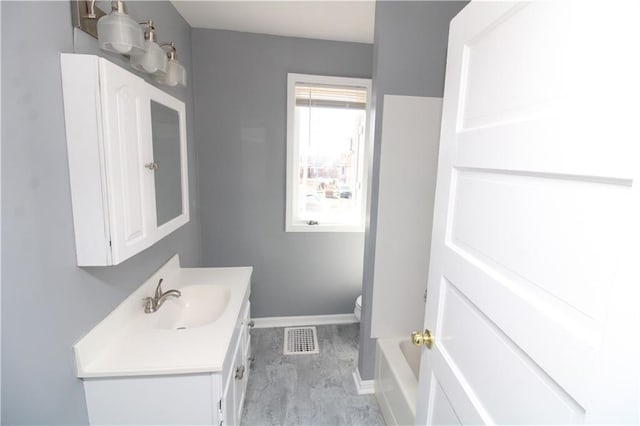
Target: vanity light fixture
point(175, 74)
point(119, 33)
point(154, 58)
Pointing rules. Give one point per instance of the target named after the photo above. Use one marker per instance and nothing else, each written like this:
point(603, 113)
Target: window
point(327, 141)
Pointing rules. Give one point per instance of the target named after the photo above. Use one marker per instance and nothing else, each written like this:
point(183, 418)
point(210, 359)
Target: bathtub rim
point(402, 372)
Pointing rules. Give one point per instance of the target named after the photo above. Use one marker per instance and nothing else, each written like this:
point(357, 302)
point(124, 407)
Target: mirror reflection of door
point(165, 127)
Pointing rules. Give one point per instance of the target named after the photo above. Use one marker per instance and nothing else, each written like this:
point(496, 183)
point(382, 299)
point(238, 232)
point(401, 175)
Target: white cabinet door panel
point(126, 129)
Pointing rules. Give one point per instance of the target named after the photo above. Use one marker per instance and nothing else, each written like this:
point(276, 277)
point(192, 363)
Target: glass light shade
point(117, 32)
point(154, 59)
point(174, 75)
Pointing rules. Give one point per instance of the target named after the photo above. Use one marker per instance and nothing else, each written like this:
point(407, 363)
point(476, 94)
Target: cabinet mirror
point(165, 128)
point(169, 161)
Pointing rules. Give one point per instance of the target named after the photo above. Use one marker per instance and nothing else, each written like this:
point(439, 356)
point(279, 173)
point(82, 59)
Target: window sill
point(303, 227)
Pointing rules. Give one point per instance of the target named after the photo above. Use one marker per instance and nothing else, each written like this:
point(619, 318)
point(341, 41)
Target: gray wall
point(410, 44)
point(240, 103)
point(48, 303)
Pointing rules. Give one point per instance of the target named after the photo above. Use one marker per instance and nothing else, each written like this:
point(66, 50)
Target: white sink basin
point(198, 306)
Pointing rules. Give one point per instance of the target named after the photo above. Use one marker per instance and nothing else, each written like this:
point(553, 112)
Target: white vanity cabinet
point(127, 152)
point(213, 398)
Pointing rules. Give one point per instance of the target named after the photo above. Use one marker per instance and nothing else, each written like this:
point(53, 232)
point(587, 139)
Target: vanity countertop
point(128, 342)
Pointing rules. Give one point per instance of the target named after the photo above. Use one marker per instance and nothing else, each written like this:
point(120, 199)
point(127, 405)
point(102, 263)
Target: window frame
point(292, 196)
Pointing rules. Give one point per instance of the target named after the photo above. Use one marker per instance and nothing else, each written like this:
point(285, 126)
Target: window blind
point(330, 97)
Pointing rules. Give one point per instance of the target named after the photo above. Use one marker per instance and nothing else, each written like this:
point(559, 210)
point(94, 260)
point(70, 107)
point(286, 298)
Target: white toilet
point(356, 311)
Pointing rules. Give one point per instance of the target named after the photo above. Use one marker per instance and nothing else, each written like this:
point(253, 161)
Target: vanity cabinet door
point(246, 331)
point(240, 377)
point(236, 376)
point(128, 160)
point(242, 361)
point(246, 345)
point(228, 417)
point(230, 397)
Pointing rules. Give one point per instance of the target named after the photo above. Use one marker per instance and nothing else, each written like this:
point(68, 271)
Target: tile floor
point(307, 389)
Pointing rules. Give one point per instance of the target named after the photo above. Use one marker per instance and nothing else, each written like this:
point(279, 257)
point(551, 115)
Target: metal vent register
point(300, 340)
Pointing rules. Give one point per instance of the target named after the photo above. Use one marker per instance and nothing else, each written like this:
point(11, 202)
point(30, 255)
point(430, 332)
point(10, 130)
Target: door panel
point(528, 80)
point(442, 412)
point(540, 399)
point(526, 90)
point(228, 399)
point(490, 209)
point(127, 150)
point(457, 397)
point(531, 323)
point(127, 141)
point(535, 221)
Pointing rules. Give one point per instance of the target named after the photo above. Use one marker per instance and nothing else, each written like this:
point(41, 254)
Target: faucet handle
point(149, 305)
point(159, 289)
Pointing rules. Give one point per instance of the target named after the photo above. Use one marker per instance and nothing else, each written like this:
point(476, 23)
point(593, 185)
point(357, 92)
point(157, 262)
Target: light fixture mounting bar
point(81, 13)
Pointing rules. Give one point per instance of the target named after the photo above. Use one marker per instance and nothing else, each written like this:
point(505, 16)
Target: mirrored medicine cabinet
point(127, 151)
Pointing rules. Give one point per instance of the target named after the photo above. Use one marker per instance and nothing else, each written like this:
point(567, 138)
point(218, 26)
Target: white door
point(533, 287)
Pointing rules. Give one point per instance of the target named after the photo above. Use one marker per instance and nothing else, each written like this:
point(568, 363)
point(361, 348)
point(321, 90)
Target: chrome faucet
point(152, 304)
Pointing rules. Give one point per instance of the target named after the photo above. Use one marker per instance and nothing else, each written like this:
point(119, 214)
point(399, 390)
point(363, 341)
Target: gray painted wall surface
point(240, 103)
point(48, 303)
point(410, 45)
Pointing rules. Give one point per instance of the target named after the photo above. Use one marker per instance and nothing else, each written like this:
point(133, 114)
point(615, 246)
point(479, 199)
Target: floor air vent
point(300, 340)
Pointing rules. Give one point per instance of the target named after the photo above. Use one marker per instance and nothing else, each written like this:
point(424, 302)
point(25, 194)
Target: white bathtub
point(396, 378)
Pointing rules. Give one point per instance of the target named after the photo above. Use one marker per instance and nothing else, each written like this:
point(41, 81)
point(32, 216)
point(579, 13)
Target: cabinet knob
point(151, 166)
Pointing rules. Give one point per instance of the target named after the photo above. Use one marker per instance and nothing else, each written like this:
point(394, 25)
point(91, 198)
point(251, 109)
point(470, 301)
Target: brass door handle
point(422, 338)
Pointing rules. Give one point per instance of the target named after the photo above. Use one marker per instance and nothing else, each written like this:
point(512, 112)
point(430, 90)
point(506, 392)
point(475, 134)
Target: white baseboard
point(364, 387)
point(300, 320)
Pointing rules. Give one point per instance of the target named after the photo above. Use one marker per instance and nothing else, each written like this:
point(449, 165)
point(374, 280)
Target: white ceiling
point(327, 20)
